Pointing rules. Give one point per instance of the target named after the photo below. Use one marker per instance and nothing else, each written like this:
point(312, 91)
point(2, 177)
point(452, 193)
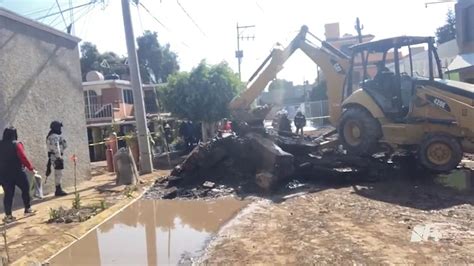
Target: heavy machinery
point(395, 109)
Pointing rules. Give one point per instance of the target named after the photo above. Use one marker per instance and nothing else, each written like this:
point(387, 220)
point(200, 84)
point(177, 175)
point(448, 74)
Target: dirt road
point(394, 221)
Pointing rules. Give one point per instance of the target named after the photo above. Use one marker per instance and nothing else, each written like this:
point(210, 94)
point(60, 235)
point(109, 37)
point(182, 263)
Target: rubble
point(263, 163)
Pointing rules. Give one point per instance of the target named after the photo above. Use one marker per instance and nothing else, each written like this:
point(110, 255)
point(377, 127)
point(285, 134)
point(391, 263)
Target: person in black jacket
point(300, 122)
point(13, 162)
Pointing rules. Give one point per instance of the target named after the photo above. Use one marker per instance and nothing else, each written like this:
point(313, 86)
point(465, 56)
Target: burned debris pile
point(261, 163)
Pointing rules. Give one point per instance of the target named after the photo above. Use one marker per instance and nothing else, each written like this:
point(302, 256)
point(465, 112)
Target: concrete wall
point(40, 81)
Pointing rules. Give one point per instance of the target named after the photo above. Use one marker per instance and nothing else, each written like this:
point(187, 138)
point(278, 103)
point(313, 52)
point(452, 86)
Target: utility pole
point(239, 53)
point(359, 29)
point(146, 166)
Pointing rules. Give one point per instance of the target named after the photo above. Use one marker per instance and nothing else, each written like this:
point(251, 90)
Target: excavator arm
point(331, 60)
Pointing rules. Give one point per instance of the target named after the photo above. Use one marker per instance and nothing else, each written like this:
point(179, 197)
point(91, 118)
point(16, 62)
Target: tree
point(89, 58)
point(106, 63)
point(447, 32)
point(156, 62)
point(203, 94)
point(280, 84)
point(319, 92)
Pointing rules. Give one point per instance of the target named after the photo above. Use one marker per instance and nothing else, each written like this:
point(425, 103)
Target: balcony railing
point(99, 111)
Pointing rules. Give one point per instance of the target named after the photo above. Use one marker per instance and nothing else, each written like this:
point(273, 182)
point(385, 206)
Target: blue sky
point(214, 37)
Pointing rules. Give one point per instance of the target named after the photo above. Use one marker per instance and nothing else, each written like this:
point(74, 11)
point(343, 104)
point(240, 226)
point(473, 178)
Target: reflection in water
point(151, 233)
point(458, 179)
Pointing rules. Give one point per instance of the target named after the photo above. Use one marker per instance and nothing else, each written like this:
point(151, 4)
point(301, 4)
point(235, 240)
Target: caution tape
point(118, 138)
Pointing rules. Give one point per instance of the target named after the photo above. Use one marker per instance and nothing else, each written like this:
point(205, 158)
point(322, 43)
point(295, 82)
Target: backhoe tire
point(359, 131)
point(440, 153)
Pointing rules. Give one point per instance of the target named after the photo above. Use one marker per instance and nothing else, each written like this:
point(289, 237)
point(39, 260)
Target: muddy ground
point(403, 215)
point(401, 221)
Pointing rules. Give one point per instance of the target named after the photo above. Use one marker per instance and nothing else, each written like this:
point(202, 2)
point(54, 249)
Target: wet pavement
point(152, 232)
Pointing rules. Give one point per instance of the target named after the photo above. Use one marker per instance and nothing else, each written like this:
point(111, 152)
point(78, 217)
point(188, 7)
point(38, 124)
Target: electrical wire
point(156, 19)
point(57, 13)
point(140, 19)
point(192, 20)
point(62, 14)
point(163, 25)
point(259, 6)
point(53, 21)
point(49, 11)
point(80, 16)
point(37, 11)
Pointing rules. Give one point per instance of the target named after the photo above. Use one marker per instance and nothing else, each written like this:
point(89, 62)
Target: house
point(40, 81)
point(446, 52)
point(462, 67)
point(109, 103)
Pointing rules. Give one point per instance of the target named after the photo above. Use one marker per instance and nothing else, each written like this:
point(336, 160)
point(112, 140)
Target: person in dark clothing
point(197, 133)
point(13, 162)
point(284, 124)
point(185, 130)
point(300, 122)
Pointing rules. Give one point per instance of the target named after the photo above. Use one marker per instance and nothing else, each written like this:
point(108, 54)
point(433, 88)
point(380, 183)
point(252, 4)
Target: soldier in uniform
point(56, 145)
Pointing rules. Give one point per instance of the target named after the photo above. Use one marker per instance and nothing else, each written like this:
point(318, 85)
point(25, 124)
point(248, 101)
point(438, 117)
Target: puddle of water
point(152, 233)
point(462, 180)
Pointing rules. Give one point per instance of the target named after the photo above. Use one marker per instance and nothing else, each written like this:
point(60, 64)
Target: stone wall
point(40, 81)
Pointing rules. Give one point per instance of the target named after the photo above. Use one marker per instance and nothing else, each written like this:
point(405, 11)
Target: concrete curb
point(62, 242)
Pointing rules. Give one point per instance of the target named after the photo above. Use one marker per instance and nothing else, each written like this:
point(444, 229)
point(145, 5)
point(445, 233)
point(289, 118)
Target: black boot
point(59, 192)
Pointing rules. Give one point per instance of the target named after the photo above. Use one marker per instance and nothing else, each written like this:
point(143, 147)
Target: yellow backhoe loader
point(397, 108)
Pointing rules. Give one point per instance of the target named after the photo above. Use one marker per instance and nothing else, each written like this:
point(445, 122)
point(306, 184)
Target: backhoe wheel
point(440, 153)
point(359, 131)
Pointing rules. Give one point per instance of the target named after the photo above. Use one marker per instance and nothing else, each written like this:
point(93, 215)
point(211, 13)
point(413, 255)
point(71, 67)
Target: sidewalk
point(31, 239)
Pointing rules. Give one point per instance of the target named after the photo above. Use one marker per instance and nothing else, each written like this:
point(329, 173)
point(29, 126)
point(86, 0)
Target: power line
point(163, 25)
point(62, 15)
point(53, 21)
point(57, 13)
point(37, 11)
point(259, 6)
point(85, 24)
point(87, 10)
point(192, 20)
point(156, 19)
point(49, 11)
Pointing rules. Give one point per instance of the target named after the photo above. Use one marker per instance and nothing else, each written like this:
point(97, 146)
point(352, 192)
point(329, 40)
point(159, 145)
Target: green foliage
point(103, 205)
point(129, 190)
point(76, 202)
point(91, 60)
point(54, 214)
point(319, 92)
point(203, 94)
point(156, 62)
point(447, 32)
point(280, 84)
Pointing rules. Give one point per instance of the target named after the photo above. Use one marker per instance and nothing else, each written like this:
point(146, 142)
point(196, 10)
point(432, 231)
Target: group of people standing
point(284, 123)
point(14, 165)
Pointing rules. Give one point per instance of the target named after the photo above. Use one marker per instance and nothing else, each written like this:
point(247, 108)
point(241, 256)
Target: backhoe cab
point(405, 104)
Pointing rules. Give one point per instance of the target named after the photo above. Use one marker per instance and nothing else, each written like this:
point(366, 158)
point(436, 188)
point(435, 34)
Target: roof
point(37, 25)
point(386, 44)
point(346, 38)
point(462, 61)
point(112, 83)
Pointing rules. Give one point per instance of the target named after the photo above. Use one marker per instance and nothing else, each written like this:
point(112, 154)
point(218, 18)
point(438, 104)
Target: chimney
point(332, 31)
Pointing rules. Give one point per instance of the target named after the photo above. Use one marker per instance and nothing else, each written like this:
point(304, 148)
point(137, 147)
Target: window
point(128, 96)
